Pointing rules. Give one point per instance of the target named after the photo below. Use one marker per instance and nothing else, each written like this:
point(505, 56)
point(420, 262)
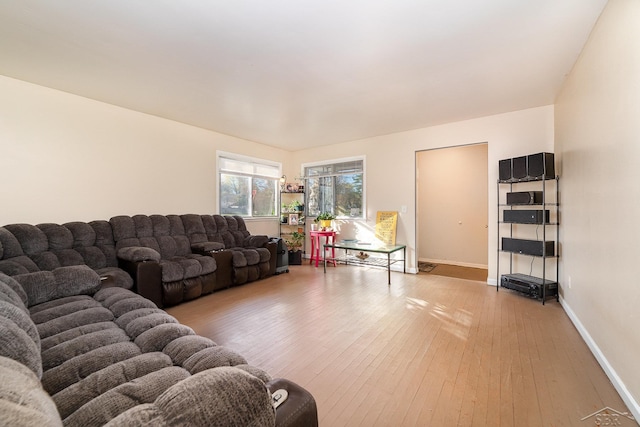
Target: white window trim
point(248, 159)
point(342, 160)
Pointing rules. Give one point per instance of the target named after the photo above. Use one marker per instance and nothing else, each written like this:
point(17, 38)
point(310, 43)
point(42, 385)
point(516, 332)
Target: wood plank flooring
point(427, 350)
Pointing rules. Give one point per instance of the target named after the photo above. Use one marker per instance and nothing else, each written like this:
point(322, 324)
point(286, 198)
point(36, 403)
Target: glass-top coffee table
point(364, 248)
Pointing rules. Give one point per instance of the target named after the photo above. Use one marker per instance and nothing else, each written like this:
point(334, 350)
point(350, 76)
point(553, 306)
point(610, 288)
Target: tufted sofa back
point(165, 234)
point(26, 248)
point(231, 231)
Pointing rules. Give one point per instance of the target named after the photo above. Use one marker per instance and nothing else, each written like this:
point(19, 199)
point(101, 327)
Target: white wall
point(390, 164)
point(597, 138)
point(452, 188)
point(67, 158)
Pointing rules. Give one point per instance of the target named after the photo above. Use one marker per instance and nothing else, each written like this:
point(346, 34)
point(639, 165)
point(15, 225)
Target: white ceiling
point(300, 73)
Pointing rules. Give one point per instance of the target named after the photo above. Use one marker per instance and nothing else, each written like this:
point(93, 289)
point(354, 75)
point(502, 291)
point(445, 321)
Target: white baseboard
point(622, 390)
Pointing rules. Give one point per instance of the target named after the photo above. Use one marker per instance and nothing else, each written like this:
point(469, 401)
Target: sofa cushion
point(142, 324)
point(218, 397)
point(13, 291)
point(23, 402)
point(130, 316)
point(184, 347)
point(188, 267)
point(77, 346)
point(20, 317)
point(138, 254)
point(112, 403)
point(73, 370)
point(212, 357)
point(114, 277)
point(18, 265)
point(156, 338)
point(76, 395)
point(74, 320)
point(70, 334)
point(31, 239)
point(63, 307)
point(16, 344)
point(44, 286)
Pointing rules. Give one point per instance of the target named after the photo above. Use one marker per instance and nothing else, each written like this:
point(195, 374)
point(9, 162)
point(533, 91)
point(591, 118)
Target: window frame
point(252, 162)
point(328, 162)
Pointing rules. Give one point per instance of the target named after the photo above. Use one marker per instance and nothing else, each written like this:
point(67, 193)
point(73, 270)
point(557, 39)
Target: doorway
point(452, 207)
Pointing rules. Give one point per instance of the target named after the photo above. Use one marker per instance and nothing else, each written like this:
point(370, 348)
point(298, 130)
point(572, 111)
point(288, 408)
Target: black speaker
point(528, 247)
point(526, 216)
point(541, 166)
point(524, 198)
point(519, 168)
point(504, 170)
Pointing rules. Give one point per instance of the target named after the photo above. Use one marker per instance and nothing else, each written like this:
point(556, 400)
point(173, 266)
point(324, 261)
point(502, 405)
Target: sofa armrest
point(138, 254)
point(272, 246)
point(299, 409)
point(255, 241)
point(204, 248)
point(147, 278)
point(224, 270)
point(43, 286)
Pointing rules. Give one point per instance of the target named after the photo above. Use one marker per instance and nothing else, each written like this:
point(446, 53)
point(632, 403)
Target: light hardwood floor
point(426, 351)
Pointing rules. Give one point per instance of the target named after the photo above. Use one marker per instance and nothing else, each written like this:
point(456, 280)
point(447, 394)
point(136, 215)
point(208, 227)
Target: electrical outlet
point(403, 209)
point(569, 281)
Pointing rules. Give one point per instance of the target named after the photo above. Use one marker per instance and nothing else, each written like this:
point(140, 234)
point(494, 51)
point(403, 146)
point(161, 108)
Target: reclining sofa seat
point(253, 256)
point(155, 249)
point(80, 354)
point(46, 248)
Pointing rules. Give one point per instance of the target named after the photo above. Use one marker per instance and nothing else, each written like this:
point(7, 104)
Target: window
point(336, 187)
point(248, 187)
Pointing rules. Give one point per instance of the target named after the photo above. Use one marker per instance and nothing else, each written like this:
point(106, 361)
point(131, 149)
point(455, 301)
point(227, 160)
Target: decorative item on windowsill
point(325, 218)
point(294, 242)
point(362, 256)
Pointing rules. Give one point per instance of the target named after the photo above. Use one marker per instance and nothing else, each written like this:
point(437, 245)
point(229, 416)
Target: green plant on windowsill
point(294, 241)
point(325, 216)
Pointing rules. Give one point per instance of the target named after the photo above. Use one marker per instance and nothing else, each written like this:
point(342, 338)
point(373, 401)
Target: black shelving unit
point(532, 208)
point(288, 212)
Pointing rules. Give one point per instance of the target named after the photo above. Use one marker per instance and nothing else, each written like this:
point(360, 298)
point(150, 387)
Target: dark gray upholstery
point(184, 275)
point(47, 247)
point(111, 357)
point(251, 258)
point(166, 258)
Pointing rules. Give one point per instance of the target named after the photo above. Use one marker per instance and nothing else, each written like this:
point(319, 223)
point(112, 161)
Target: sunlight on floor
point(416, 304)
point(457, 323)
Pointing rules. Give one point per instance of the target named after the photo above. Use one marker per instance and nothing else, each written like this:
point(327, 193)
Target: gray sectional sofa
point(167, 258)
point(76, 353)
point(84, 343)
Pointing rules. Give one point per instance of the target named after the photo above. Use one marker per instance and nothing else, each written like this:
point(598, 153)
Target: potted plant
point(294, 242)
point(325, 218)
point(296, 206)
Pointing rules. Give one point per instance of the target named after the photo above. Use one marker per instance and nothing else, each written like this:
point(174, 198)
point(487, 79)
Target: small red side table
point(316, 245)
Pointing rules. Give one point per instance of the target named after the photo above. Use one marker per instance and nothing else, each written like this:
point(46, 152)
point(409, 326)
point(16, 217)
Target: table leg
point(313, 247)
point(324, 262)
point(389, 268)
point(318, 250)
point(404, 260)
